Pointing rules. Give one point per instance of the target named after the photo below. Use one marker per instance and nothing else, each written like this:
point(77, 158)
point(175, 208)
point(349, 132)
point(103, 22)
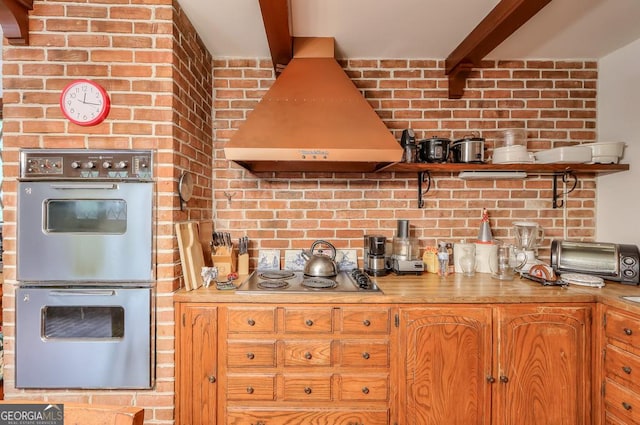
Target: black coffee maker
point(375, 263)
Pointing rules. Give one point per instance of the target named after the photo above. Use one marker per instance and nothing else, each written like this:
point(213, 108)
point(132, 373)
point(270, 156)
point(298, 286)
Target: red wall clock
point(85, 102)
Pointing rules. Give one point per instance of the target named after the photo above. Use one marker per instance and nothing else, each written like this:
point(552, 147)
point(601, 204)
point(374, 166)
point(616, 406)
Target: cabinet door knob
point(627, 370)
point(365, 390)
point(251, 356)
point(212, 379)
point(366, 322)
point(628, 331)
point(309, 322)
point(251, 322)
point(491, 379)
point(307, 390)
point(308, 355)
point(626, 406)
point(504, 379)
point(250, 390)
point(366, 355)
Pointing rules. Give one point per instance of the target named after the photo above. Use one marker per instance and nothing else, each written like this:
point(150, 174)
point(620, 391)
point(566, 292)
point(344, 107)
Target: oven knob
point(75, 164)
point(122, 164)
point(106, 164)
point(90, 164)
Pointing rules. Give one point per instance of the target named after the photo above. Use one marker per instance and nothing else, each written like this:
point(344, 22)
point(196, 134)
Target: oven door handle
point(96, 186)
point(83, 292)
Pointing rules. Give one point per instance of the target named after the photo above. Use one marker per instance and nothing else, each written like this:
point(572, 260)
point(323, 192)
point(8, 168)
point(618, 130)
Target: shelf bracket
point(423, 177)
point(565, 178)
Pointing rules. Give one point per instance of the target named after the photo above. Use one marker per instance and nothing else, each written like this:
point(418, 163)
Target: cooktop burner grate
point(319, 283)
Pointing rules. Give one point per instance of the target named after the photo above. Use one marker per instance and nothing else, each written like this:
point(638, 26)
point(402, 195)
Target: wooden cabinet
point(621, 367)
point(312, 364)
point(520, 365)
point(196, 363)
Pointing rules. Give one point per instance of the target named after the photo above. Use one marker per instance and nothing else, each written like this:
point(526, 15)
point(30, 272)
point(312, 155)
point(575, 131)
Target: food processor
point(405, 258)
point(528, 236)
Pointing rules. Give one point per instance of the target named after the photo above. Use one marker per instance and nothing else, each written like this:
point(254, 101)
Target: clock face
point(84, 102)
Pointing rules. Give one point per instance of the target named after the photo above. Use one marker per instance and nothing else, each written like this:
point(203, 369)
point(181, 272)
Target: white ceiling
point(564, 29)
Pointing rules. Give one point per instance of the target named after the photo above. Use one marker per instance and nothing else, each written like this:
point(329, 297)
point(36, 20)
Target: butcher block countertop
point(431, 289)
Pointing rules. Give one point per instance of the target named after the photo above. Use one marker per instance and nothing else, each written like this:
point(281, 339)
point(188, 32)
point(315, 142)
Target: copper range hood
point(313, 118)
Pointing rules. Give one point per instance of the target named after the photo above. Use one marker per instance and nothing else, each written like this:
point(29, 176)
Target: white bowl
point(564, 155)
point(606, 152)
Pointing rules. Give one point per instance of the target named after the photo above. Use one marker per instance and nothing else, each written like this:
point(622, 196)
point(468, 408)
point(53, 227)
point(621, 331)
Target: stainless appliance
point(435, 149)
point(468, 150)
point(85, 216)
point(91, 337)
point(405, 258)
point(286, 281)
point(617, 262)
point(375, 259)
point(85, 302)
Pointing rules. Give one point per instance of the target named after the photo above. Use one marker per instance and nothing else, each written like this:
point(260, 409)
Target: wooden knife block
point(226, 260)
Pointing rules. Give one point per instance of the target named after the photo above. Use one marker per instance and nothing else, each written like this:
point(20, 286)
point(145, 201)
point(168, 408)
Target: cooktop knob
point(75, 164)
point(106, 164)
point(89, 164)
point(122, 164)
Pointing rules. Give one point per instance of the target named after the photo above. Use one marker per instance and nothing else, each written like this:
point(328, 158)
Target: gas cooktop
point(285, 281)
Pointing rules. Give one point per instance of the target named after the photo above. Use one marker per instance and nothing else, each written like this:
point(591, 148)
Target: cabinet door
point(196, 348)
point(448, 361)
point(543, 365)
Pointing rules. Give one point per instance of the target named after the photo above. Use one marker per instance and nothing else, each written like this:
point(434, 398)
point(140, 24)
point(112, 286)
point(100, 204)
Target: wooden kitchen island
point(427, 350)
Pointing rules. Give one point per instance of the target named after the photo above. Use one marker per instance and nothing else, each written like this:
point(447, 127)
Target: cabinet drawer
point(623, 367)
point(623, 327)
point(364, 353)
point(365, 320)
point(306, 416)
point(254, 320)
point(364, 388)
point(307, 388)
point(312, 319)
point(621, 402)
point(251, 387)
point(251, 354)
point(307, 353)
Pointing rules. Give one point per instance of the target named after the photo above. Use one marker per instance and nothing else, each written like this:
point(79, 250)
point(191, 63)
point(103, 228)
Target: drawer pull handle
point(491, 379)
point(366, 322)
point(309, 322)
point(307, 390)
point(504, 379)
point(626, 369)
point(249, 390)
point(366, 355)
point(308, 355)
point(251, 356)
point(212, 379)
point(365, 390)
point(628, 331)
point(259, 423)
point(251, 322)
point(626, 406)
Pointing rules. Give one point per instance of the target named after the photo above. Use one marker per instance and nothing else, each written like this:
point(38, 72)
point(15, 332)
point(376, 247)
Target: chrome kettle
point(319, 265)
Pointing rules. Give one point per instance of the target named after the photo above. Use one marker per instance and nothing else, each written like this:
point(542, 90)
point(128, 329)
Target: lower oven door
point(84, 337)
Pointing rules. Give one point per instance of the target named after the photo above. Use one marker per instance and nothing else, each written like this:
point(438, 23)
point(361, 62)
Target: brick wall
point(555, 101)
point(159, 76)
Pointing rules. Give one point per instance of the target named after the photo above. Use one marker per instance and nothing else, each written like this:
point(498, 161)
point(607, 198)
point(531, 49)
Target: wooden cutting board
point(191, 255)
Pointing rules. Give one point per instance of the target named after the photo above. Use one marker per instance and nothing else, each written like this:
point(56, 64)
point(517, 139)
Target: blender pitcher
point(528, 234)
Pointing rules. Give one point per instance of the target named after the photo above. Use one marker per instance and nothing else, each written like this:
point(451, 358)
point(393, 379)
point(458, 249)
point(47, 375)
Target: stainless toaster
point(618, 262)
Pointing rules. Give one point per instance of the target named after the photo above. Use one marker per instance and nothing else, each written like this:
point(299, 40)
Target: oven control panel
point(86, 164)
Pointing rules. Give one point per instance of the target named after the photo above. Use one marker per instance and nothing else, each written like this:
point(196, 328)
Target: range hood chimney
point(313, 118)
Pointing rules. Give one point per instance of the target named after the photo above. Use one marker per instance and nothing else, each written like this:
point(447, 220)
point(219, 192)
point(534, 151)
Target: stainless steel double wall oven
point(85, 269)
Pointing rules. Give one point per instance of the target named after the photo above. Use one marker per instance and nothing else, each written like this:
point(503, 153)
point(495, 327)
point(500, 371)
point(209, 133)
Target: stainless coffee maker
point(375, 263)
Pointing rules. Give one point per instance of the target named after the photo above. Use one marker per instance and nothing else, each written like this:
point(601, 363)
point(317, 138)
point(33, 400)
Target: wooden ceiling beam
point(275, 15)
point(14, 20)
point(503, 20)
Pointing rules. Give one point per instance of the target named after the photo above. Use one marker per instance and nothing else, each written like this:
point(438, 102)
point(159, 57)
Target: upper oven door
point(85, 231)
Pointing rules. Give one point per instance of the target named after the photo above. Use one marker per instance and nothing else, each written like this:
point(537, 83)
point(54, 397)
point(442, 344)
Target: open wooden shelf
point(443, 168)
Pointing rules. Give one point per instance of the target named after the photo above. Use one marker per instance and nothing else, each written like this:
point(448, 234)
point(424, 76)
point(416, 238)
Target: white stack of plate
point(580, 154)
